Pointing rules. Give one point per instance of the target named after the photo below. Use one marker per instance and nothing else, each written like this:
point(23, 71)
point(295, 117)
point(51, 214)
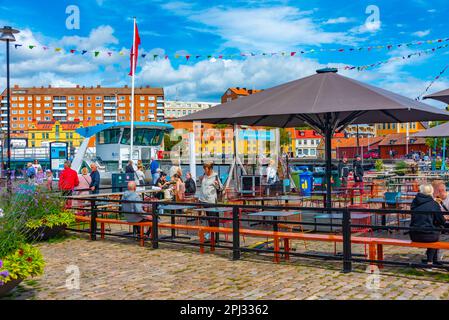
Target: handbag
point(220, 190)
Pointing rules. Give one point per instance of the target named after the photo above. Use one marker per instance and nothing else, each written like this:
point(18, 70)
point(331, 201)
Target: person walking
point(83, 188)
point(209, 190)
point(190, 185)
point(31, 174)
point(427, 216)
point(68, 179)
point(358, 172)
point(130, 167)
point(95, 179)
point(343, 171)
point(154, 166)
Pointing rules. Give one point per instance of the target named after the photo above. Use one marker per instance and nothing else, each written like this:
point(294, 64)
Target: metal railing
point(235, 221)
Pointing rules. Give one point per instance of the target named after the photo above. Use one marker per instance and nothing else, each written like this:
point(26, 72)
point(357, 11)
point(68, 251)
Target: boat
point(112, 145)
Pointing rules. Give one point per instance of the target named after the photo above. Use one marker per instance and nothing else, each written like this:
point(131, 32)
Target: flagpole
point(133, 69)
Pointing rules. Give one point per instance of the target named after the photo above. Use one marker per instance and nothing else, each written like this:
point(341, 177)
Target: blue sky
point(231, 27)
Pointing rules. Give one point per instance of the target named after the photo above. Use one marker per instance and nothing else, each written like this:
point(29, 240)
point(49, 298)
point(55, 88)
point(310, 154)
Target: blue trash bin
point(306, 183)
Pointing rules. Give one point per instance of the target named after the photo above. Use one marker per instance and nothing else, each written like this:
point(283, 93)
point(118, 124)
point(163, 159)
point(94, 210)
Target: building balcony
point(59, 114)
point(4, 101)
point(4, 108)
point(113, 107)
point(160, 108)
point(59, 107)
point(59, 100)
point(160, 114)
point(109, 120)
point(4, 115)
point(109, 100)
point(4, 122)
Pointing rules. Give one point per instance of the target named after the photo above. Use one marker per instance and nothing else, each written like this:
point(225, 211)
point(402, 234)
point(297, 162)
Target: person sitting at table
point(163, 184)
point(133, 211)
point(440, 194)
point(429, 217)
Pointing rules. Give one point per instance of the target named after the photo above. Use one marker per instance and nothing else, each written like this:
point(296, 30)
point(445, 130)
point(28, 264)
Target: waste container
point(120, 181)
point(336, 182)
point(306, 183)
point(295, 178)
point(319, 180)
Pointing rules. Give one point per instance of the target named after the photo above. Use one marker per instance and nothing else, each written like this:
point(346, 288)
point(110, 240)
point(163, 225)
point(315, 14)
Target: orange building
point(235, 93)
point(91, 105)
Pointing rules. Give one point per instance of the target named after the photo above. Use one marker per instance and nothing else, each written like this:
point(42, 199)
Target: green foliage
point(52, 220)
point(379, 165)
point(284, 137)
point(169, 143)
point(24, 262)
point(400, 168)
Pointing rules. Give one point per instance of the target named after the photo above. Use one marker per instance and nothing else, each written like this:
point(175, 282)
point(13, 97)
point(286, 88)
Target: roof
point(352, 142)
point(48, 125)
point(84, 90)
point(400, 139)
point(90, 131)
point(309, 100)
point(243, 91)
point(307, 134)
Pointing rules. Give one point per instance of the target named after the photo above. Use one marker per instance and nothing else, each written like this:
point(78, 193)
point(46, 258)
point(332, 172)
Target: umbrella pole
point(443, 164)
point(328, 159)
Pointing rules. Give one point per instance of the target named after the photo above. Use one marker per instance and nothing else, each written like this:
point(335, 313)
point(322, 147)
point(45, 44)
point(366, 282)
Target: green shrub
point(379, 165)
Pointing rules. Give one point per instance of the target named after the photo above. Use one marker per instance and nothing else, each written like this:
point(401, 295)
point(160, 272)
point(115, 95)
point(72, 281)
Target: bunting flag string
point(188, 56)
point(209, 57)
point(409, 56)
point(432, 83)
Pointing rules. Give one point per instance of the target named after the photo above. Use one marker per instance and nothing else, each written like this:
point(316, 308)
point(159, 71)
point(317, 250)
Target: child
point(49, 180)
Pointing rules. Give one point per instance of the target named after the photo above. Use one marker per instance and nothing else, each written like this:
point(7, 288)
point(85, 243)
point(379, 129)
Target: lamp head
point(7, 33)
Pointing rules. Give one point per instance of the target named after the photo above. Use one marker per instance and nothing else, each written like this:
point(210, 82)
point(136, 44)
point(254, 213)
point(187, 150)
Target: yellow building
point(383, 129)
point(42, 132)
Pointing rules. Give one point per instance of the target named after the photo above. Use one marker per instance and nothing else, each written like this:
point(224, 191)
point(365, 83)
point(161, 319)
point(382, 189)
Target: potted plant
point(43, 212)
point(400, 168)
point(18, 260)
point(26, 261)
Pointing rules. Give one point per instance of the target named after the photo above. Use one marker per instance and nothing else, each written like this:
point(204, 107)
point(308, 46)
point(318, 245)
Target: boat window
point(143, 137)
point(109, 136)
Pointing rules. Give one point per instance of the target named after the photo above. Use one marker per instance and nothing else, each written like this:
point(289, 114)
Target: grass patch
point(31, 282)
point(412, 272)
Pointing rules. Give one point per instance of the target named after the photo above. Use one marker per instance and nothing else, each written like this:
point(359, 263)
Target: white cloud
point(281, 27)
point(368, 27)
point(338, 20)
point(207, 79)
point(98, 38)
point(421, 33)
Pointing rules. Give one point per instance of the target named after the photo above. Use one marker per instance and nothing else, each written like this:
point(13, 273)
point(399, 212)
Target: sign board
point(58, 155)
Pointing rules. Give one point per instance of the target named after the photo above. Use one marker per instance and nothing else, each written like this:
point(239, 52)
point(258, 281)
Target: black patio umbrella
point(442, 96)
point(326, 101)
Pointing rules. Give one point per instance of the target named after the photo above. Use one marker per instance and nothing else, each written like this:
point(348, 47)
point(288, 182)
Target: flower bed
point(26, 261)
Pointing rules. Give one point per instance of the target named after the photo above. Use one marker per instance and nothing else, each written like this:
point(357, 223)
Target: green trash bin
point(336, 182)
point(295, 178)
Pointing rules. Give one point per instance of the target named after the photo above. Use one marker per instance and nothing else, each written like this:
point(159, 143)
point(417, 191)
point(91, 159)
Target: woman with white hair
point(426, 216)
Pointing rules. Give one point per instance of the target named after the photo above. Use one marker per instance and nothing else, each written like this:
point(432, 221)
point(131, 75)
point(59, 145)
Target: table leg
point(275, 224)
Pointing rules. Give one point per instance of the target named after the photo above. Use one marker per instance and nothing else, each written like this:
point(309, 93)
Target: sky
point(209, 27)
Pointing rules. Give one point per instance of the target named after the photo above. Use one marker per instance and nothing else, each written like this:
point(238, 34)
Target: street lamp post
point(7, 34)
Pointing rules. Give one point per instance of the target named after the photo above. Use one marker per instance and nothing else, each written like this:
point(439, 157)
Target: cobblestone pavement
point(120, 269)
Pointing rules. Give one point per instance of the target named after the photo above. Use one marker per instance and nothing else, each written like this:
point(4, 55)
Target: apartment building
point(88, 105)
point(176, 109)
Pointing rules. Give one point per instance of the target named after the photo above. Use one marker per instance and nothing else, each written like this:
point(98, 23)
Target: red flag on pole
point(134, 49)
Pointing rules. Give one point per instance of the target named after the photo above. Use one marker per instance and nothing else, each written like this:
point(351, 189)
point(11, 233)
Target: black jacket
point(431, 218)
point(358, 169)
point(190, 186)
point(129, 169)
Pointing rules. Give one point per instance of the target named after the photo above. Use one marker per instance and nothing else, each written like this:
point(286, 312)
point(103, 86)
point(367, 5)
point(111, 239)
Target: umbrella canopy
point(326, 101)
point(441, 131)
point(308, 100)
point(442, 96)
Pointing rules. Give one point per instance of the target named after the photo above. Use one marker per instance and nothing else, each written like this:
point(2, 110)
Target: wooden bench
point(103, 221)
point(375, 244)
